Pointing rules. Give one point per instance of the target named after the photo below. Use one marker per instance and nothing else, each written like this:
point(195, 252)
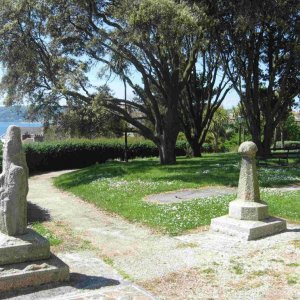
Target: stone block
point(28, 247)
point(248, 230)
point(17, 276)
point(243, 210)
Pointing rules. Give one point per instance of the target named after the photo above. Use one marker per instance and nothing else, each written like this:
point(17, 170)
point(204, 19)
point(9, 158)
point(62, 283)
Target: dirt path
point(201, 265)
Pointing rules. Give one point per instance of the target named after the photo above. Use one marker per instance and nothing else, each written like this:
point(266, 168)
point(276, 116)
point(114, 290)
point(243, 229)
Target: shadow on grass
point(215, 169)
point(192, 170)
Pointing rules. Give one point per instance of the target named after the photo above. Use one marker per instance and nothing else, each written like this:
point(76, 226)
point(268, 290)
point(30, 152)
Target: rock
point(20, 246)
point(36, 267)
point(13, 185)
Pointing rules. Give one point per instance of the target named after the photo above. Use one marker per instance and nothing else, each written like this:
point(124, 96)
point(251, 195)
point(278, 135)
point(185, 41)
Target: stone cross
point(13, 185)
point(248, 205)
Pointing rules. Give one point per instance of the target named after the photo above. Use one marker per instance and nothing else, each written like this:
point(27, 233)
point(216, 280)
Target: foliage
point(291, 128)
point(218, 126)
point(56, 43)
point(78, 153)
point(120, 188)
point(203, 95)
point(46, 233)
point(88, 121)
point(259, 42)
point(289, 144)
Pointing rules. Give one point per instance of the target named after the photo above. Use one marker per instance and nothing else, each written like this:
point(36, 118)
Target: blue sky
point(232, 99)
point(117, 87)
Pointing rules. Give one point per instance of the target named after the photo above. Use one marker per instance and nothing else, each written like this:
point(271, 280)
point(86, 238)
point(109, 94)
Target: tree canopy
point(169, 52)
point(259, 43)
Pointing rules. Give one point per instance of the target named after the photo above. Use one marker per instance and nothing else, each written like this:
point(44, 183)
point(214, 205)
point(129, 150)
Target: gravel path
point(200, 265)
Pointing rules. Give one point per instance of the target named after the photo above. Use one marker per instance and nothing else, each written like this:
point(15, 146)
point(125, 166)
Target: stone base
point(23, 275)
point(248, 230)
point(243, 210)
point(28, 247)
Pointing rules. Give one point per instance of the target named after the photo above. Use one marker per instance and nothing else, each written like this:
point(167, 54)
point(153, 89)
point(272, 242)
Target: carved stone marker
point(248, 215)
point(13, 185)
point(19, 245)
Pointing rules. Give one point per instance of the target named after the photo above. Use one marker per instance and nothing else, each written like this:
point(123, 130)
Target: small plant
point(187, 245)
point(108, 260)
point(46, 233)
point(85, 245)
point(292, 279)
point(277, 260)
point(209, 271)
point(293, 265)
point(238, 269)
point(296, 244)
point(259, 273)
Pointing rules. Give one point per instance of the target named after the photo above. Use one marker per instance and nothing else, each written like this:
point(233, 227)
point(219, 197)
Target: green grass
point(118, 187)
point(46, 233)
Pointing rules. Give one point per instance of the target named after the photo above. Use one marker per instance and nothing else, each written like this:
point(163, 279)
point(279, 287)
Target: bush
point(288, 144)
point(79, 153)
point(72, 154)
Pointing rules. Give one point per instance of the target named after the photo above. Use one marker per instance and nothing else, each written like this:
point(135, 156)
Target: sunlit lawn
point(119, 187)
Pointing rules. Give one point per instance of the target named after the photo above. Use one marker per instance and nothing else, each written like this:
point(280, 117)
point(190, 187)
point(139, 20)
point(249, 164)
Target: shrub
point(288, 144)
point(72, 154)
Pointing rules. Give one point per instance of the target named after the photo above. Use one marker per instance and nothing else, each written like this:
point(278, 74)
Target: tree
point(203, 95)
point(259, 43)
point(54, 43)
point(291, 128)
point(218, 126)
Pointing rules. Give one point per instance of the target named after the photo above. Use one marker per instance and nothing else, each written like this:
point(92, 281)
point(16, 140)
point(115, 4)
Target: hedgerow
point(72, 154)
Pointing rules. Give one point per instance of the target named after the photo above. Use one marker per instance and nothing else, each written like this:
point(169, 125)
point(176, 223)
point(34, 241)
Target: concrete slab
point(90, 278)
point(31, 274)
point(248, 230)
point(28, 247)
point(190, 194)
point(252, 211)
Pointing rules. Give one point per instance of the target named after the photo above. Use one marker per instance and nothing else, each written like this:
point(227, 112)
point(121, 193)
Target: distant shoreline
point(5, 125)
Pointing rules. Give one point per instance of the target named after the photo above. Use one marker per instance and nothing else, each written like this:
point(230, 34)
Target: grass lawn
point(119, 188)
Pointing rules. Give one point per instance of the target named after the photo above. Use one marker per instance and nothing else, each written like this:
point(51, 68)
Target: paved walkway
point(200, 265)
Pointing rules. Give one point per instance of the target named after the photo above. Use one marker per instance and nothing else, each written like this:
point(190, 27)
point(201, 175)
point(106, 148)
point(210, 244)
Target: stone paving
point(90, 278)
point(190, 194)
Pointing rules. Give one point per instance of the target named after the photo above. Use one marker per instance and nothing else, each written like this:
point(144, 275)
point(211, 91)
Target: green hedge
point(289, 144)
point(72, 154)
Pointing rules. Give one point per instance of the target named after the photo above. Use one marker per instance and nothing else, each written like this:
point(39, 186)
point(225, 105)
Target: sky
point(117, 87)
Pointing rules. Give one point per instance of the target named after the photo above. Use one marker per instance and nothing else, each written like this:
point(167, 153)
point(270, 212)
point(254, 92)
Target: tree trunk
point(166, 149)
point(264, 147)
point(168, 137)
point(196, 149)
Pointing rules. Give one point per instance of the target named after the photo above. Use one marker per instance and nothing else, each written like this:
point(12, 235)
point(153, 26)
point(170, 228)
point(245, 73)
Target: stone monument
point(25, 258)
point(248, 216)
